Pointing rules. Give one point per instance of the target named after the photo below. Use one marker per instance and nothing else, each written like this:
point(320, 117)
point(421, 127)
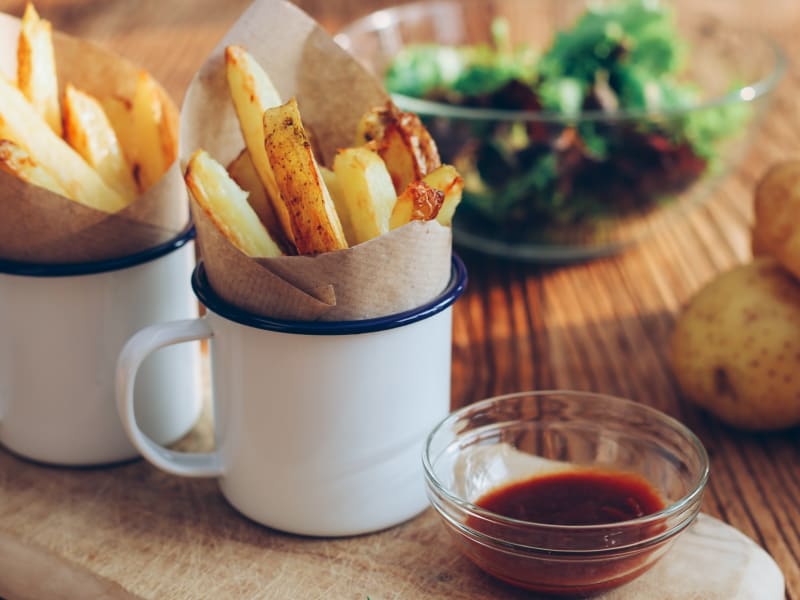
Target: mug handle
point(136, 349)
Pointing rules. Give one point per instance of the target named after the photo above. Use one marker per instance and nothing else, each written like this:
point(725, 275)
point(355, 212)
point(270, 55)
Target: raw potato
point(735, 350)
point(776, 230)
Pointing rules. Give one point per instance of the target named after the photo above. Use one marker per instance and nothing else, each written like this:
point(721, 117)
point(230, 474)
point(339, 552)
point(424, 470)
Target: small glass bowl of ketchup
point(564, 493)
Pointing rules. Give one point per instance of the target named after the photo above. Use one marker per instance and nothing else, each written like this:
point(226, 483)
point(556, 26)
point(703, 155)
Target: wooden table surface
point(600, 326)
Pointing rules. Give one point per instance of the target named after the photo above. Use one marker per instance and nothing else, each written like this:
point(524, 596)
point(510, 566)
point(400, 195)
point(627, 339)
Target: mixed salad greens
point(525, 176)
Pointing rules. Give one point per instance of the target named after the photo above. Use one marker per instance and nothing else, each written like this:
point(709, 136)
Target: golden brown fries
point(419, 202)
point(36, 67)
point(243, 172)
point(447, 180)
point(119, 112)
point(99, 152)
point(20, 123)
point(335, 190)
point(226, 205)
point(153, 146)
point(16, 161)
point(315, 225)
point(367, 193)
point(145, 130)
point(89, 132)
point(253, 93)
point(402, 142)
point(308, 208)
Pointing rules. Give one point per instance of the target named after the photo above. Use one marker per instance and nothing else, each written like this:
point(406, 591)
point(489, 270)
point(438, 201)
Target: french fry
point(36, 67)
point(20, 123)
point(89, 132)
point(145, 131)
point(315, 224)
point(402, 142)
point(16, 161)
point(447, 180)
point(155, 146)
point(243, 172)
point(337, 195)
point(436, 196)
point(419, 202)
point(253, 93)
point(226, 205)
point(368, 194)
point(119, 112)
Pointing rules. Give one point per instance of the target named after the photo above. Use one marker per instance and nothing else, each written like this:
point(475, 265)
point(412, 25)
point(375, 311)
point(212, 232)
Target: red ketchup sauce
point(575, 498)
point(579, 497)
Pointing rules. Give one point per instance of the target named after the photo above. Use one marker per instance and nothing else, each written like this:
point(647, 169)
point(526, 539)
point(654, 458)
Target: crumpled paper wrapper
point(38, 226)
point(398, 271)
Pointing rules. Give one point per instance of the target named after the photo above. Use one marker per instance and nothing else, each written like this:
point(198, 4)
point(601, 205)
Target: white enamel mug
point(61, 330)
point(319, 426)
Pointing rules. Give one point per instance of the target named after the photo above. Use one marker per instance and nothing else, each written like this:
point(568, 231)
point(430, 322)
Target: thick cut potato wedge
point(337, 195)
point(436, 196)
point(253, 93)
point(402, 142)
point(419, 202)
point(89, 132)
point(315, 224)
point(226, 205)
point(36, 67)
point(145, 130)
point(447, 180)
point(155, 146)
point(243, 172)
point(367, 192)
point(16, 161)
point(20, 123)
point(119, 112)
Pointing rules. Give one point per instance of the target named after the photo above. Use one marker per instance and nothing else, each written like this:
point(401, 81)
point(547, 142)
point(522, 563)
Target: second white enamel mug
point(319, 425)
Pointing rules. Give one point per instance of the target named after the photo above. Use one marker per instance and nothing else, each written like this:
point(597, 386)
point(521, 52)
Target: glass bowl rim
point(745, 93)
point(682, 505)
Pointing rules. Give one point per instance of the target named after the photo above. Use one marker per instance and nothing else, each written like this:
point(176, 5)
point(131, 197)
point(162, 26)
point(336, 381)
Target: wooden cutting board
point(711, 561)
point(131, 531)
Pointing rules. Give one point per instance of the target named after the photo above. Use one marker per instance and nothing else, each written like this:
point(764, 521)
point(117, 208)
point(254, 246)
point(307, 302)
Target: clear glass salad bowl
point(568, 172)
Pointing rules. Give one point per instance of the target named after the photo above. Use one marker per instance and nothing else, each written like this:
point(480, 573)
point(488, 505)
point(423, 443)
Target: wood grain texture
point(600, 326)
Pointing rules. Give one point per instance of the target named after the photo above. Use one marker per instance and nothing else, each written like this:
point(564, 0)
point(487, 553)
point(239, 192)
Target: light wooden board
point(132, 531)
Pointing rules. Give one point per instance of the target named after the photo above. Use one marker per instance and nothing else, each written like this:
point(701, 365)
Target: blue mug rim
point(12, 267)
point(455, 287)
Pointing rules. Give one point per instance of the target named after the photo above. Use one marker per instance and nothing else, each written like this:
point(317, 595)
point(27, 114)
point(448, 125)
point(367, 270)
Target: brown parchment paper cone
point(393, 273)
point(38, 226)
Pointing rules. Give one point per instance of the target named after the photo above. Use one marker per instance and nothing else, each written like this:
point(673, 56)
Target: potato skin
point(776, 210)
point(735, 349)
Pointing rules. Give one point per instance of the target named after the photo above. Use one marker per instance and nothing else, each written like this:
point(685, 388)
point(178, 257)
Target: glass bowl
point(521, 437)
point(543, 185)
